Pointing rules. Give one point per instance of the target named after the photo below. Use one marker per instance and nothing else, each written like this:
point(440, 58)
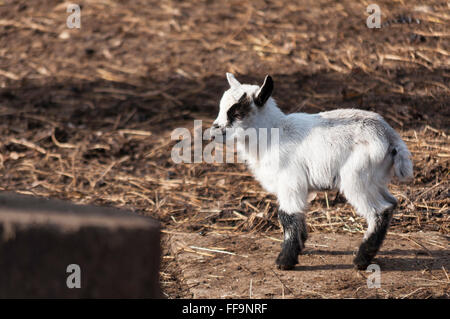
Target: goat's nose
point(215, 125)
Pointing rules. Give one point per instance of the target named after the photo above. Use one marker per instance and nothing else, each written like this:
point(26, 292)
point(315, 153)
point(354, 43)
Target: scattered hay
point(87, 117)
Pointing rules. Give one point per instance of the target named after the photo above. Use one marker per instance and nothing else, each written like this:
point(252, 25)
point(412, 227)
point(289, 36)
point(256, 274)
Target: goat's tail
point(403, 166)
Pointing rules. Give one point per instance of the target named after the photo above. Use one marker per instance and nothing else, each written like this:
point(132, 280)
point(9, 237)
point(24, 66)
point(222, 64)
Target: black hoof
point(287, 261)
point(361, 262)
point(285, 267)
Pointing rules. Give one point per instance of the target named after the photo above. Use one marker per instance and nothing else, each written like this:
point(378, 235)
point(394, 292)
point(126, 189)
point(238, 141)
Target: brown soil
point(411, 266)
point(86, 115)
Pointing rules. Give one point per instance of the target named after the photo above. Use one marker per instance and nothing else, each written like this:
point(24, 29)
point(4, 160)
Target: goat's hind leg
point(295, 235)
point(378, 225)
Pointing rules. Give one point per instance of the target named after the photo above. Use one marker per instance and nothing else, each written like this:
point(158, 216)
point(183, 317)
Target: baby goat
point(350, 150)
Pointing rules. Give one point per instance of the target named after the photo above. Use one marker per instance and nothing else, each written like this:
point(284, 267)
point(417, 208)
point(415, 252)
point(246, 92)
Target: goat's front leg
point(295, 235)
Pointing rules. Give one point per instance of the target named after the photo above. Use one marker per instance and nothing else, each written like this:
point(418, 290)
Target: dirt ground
point(86, 115)
point(412, 265)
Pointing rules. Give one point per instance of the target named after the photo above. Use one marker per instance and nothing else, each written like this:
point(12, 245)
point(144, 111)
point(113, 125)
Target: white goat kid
point(350, 150)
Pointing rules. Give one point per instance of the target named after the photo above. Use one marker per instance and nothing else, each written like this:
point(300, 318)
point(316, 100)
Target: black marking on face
point(239, 110)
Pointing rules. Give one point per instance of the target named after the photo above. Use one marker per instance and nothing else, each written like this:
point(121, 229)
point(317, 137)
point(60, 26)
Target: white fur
point(346, 149)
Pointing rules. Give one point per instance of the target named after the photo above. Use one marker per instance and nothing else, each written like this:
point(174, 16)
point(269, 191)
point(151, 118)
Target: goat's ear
point(264, 92)
point(232, 80)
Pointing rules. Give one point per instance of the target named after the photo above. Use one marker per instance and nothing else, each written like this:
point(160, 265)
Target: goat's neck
point(269, 117)
point(270, 120)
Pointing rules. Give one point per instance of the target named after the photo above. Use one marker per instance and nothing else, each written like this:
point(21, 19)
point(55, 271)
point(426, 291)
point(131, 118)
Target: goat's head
point(241, 104)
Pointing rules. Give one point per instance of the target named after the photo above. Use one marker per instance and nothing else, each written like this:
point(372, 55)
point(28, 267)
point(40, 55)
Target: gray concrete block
point(118, 252)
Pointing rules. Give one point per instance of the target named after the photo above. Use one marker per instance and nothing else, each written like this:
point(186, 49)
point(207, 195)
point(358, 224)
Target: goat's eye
point(238, 110)
point(234, 112)
point(234, 108)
